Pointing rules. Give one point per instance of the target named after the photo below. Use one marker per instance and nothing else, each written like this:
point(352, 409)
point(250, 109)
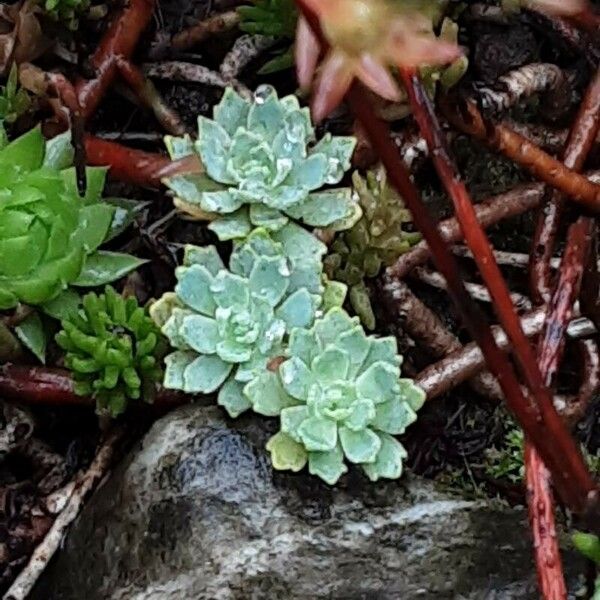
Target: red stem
point(141, 168)
point(579, 143)
point(551, 345)
point(548, 432)
point(43, 386)
point(540, 419)
point(120, 40)
point(513, 145)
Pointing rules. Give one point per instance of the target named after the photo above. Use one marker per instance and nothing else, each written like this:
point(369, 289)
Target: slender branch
point(489, 212)
point(579, 143)
point(120, 40)
point(477, 291)
point(141, 168)
point(84, 483)
point(46, 386)
point(203, 29)
point(542, 416)
point(551, 344)
point(149, 96)
point(517, 148)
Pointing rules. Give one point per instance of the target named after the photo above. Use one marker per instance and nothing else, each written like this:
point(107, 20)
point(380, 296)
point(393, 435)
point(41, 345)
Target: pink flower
point(559, 7)
point(367, 37)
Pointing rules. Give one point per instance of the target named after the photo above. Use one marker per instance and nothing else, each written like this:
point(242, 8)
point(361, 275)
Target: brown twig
point(477, 291)
point(136, 166)
point(489, 212)
point(120, 40)
point(203, 29)
point(551, 345)
point(428, 331)
point(517, 148)
point(84, 483)
point(149, 96)
point(581, 138)
point(492, 276)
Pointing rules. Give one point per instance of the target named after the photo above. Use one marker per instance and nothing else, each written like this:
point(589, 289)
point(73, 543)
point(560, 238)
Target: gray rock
point(197, 513)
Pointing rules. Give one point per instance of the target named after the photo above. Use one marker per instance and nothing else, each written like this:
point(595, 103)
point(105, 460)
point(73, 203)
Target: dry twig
point(84, 483)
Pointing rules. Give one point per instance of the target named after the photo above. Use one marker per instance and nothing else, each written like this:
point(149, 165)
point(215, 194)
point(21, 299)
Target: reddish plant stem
point(579, 144)
point(556, 445)
point(537, 477)
point(529, 156)
point(119, 40)
point(149, 96)
point(203, 29)
point(141, 168)
point(551, 346)
point(46, 386)
point(74, 118)
point(544, 411)
point(489, 212)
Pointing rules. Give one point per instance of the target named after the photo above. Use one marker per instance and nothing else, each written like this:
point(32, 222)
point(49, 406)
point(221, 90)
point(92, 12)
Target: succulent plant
point(227, 324)
point(113, 349)
point(46, 230)
point(338, 394)
point(66, 11)
point(14, 100)
point(375, 241)
point(275, 19)
point(263, 167)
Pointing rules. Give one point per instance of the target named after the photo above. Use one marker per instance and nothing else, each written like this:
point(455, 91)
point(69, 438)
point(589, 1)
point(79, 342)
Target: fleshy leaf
point(175, 365)
point(103, 267)
point(329, 466)
point(338, 151)
point(318, 434)
point(360, 446)
point(232, 399)
point(232, 112)
point(200, 333)
point(193, 289)
point(378, 383)
point(393, 416)
point(295, 377)
point(388, 462)
point(266, 395)
point(205, 256)
point(213, 146)
point(205, 374)
point(291, 418)
point(286, 454)
point(32, 334)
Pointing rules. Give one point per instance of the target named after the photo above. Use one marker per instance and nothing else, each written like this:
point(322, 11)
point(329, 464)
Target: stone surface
point(195, 512)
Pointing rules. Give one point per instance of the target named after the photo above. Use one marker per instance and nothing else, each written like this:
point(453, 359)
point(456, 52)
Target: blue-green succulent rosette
point(227, 324)
point(263, 167)
point(339, 396)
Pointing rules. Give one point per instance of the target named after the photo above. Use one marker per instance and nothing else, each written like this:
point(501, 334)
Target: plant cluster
point(375, 241)
point(66, 11)
point(14, 100)
point(113, 349)
point(276, 19)
point(49, 235)
point(268, 331)
point(263, 167)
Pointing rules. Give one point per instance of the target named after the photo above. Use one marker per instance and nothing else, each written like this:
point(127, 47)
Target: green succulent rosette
point(113, 349)
point(374, 242)
point(227, 324)
point(339, 396)
point(263, 167)
point(66, 11)
point(47, 231)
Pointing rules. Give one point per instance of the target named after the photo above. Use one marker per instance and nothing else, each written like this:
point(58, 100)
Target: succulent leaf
point(344, 398)
point(113, 349)
point(263, 168)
